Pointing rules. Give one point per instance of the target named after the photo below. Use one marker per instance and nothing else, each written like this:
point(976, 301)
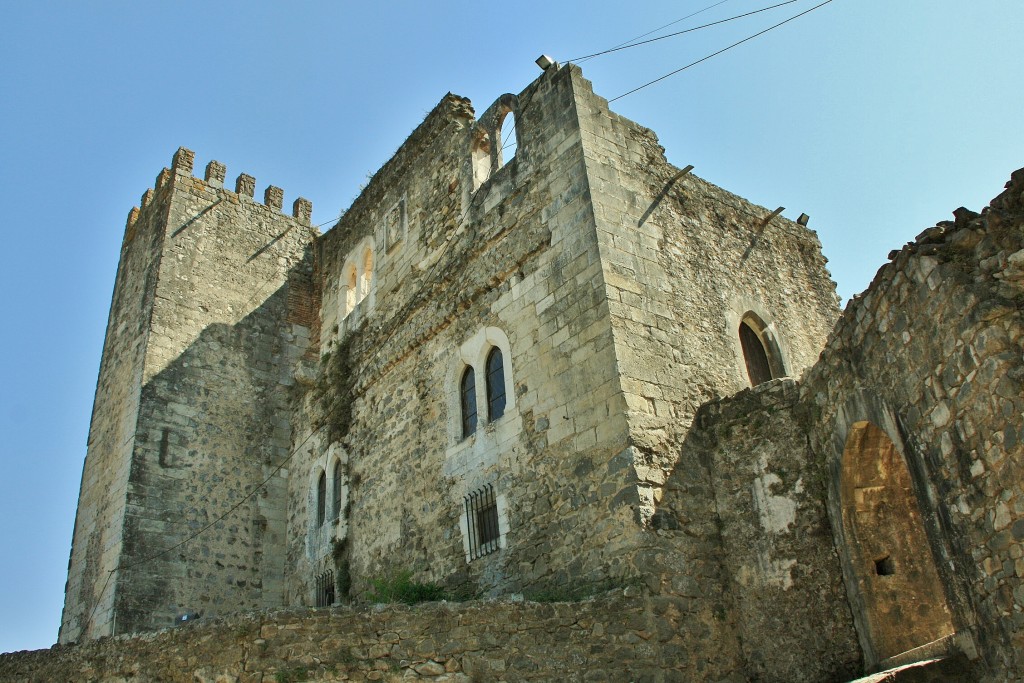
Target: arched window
point(321, 499)
point(495, 385)
point(509, 142)
point(336, 490)
point(467, 399)
point(758, 368)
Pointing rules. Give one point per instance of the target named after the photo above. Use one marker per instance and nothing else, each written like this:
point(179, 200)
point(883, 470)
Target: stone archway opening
point(898, 590)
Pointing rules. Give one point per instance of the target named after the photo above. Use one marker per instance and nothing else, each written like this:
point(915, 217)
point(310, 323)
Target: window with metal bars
point(325, 589)
point(482, 522)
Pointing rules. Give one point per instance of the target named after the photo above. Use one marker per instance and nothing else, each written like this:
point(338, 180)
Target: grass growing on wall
point(401, 588)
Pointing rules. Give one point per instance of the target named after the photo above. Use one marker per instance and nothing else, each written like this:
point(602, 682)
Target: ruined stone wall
point(931, 355)
point(784, 595)
point(613, 638)
point(212, 418)
point(96, 545)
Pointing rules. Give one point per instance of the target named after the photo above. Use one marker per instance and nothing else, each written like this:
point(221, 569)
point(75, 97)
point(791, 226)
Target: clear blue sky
point(875, 117)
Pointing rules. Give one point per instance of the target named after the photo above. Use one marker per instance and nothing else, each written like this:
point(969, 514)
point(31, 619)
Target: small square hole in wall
point(885, 566)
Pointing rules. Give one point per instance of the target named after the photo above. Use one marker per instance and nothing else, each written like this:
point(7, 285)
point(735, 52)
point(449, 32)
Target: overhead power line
point(626, 46)
point(724, 49)
point(644, 35)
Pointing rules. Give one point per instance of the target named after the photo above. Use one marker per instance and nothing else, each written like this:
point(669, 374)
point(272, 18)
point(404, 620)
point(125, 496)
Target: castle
point(580, 366)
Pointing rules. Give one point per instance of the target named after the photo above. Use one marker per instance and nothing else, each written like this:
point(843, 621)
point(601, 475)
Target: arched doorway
point(898, 590)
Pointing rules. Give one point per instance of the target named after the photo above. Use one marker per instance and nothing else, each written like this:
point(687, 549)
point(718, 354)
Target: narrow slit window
point(495, 385)
point(467, 400)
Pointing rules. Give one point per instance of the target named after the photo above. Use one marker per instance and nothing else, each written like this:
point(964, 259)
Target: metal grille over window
point(325, 589)
point(482, 522)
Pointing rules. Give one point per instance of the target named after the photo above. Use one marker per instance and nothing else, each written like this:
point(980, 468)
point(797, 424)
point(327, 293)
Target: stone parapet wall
point(611, 638)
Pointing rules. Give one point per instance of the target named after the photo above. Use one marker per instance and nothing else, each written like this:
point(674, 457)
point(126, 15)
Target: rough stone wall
point(684, 260)
point(932, 354)
point(606, 639)
point(518, 255)
point(96, 544)
point(784, 595)
point(211, 422)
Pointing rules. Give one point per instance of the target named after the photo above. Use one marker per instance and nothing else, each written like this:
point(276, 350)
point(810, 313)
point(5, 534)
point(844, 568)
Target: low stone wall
point(614, 637)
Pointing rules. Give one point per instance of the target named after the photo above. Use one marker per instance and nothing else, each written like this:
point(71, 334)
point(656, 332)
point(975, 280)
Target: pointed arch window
point(495, 385)
point(321, 499)
point(759, 370)
point(467, 399)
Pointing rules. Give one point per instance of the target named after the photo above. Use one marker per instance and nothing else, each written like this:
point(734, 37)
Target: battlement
point(182, 166)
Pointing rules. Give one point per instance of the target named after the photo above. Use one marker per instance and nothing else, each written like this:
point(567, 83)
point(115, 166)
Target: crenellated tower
point(190, 412)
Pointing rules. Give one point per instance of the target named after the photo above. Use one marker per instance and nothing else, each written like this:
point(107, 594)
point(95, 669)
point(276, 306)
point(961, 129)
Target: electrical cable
point(679, 33)
point(644, 35)
point(713, 54)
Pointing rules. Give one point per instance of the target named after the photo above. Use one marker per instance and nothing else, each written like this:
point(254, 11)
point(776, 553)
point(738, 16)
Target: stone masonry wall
point(684, 261)
point(516, 257)
point(97, 542)
point(214, 425)
point(784, 594)
point(215, 350)
point(613, 638)
point(932, 352)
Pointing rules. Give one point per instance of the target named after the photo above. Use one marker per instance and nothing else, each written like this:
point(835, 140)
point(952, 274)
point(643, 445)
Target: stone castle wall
point(612, 638)
point(204, 421)
point(932, 353)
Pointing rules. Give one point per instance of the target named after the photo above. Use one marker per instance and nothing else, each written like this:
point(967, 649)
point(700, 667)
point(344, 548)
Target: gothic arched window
point(758, 368)
point(467, 399)
point(495, 385)
point(321, 499)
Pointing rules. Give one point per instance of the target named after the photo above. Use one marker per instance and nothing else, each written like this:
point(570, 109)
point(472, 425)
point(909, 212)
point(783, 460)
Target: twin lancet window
point(357, 279)
point(495, 382)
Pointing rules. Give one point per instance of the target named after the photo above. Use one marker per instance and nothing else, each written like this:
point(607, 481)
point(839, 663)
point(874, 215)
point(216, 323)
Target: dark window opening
point(482, 522)
point(495, 385)
point(467, 393)
point(325, 589)
point(321, 499)
point(885, 566)
point(336, 491)
point(754, 354)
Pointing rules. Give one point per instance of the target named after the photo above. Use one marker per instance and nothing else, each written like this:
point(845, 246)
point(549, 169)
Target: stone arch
point(758, 347)
point(888, 538)
point(486, 140)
